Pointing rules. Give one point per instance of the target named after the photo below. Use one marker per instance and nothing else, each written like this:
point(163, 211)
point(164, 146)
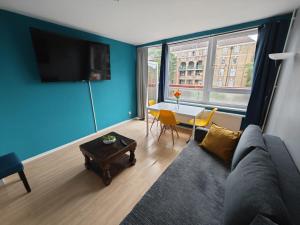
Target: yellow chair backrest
point(210, 115)
point(167, 117)
point(153, 112)
point(151, 102)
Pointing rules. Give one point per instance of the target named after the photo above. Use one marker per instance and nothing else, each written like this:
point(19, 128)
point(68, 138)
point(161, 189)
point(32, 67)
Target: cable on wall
point(92, 104)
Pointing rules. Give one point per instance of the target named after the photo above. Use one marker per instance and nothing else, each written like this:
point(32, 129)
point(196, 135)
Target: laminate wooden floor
point(64, 192)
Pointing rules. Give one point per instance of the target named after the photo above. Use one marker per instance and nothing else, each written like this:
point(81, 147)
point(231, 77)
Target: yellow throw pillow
point(221, 142)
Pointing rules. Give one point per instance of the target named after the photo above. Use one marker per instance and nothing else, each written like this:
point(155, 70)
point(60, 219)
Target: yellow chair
point(167, 120)
point(203, 122)
point(153, 113)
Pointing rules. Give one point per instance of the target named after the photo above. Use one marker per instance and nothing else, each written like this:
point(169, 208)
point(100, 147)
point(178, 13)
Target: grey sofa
point(198, 188)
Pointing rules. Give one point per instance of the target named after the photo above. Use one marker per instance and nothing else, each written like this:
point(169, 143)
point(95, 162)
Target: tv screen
point(62, 58)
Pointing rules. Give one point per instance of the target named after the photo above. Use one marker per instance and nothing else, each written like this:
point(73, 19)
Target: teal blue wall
point(36, 117)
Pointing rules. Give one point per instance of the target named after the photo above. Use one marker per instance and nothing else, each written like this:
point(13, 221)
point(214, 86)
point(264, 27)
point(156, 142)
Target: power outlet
point(129, 113)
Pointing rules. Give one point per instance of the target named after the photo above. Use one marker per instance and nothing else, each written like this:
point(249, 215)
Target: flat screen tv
point(61, 58)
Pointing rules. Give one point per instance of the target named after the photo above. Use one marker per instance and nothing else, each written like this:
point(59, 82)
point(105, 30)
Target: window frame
point(209, 73)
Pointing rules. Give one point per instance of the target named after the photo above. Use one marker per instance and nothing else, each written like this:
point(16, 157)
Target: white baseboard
point(72, 142)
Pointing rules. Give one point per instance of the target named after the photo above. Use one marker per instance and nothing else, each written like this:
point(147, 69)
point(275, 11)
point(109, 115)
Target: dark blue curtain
point(163, 72)
point(271, 39)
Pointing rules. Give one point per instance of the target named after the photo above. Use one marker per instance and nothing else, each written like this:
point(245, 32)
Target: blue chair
point(10, 164)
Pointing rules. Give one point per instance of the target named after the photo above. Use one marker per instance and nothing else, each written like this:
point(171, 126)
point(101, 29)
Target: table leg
point(147, 122)
point(194, 128)
point(106, 175)
point(132, 158)
point(87, 162)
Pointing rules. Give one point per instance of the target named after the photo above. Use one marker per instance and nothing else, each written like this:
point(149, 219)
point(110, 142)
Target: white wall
point(284, 119)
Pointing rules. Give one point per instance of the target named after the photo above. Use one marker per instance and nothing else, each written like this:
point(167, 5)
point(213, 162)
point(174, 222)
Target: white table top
point(185, 110)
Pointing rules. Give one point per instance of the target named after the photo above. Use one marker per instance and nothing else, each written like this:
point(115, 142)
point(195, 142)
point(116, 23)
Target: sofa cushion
point(190, 191)
point(221, 142)
point(251, 189)
point(288, 175)
point(251, 138)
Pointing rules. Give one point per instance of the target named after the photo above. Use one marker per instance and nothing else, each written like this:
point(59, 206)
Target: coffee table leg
point(132, 158)
point(106, 175)
point(87, 162)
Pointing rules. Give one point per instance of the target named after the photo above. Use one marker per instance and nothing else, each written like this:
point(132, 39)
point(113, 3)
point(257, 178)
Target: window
point(199, 65)
point(220, 82)
point(237, 76)
point(182, 66)
point(191, 65)
point(193, 92)
point(221, 72)
point(154, 57)
point(236, 49)
point(223, 60)
point(232, 72)
point(234, 60)
point(190, 73)
point(228, 82)
point(224, 50)
point(182, 73)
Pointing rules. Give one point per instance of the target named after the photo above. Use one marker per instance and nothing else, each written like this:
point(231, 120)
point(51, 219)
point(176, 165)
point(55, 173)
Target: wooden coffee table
point(100, 157)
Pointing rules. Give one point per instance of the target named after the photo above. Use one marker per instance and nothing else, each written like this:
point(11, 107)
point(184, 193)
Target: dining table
point(179, 109)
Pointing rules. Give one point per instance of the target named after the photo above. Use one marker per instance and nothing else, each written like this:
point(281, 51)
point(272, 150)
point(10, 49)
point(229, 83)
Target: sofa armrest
point(200, 133)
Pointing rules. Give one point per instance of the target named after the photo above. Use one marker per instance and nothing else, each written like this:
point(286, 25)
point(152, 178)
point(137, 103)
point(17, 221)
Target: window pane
point(229, 98)
point(187, 63)
point(233, 66)
point(154, 57)
point(187, 94)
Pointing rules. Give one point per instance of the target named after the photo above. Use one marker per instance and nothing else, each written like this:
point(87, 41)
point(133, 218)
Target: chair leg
point(161, 132)
point(176, 131)
point(165, 129)
point(24, 179)
point(152, 123)
point(172, 134)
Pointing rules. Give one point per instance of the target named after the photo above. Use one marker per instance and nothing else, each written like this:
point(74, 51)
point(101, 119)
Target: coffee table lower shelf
point(108, 171)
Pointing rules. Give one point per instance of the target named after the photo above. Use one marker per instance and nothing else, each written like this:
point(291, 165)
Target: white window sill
point(225, 109)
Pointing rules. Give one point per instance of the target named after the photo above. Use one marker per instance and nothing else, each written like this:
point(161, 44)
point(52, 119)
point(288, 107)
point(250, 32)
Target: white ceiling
point(140, 21)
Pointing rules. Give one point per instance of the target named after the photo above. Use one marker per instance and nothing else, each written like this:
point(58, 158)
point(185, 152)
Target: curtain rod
point(204, 36)
point(213, 35)
point(252, 25)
